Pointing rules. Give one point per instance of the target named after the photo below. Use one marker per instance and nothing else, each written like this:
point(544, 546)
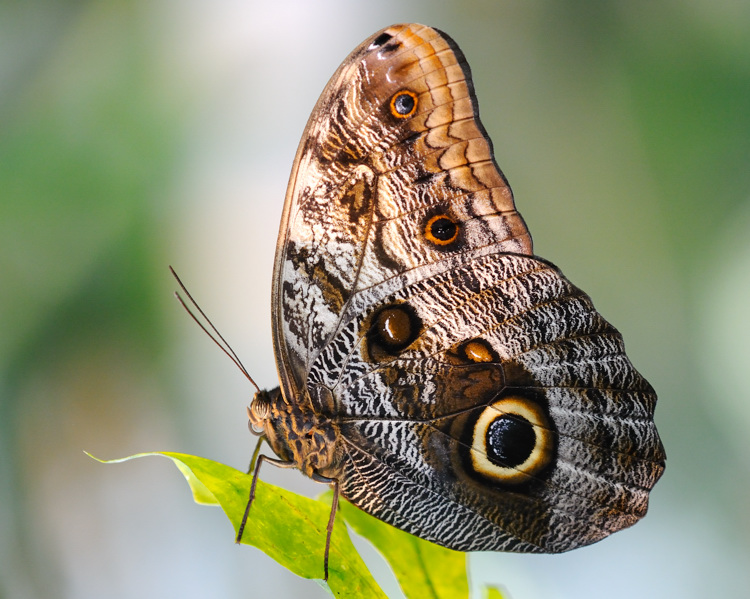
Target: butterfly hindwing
point(513, 404)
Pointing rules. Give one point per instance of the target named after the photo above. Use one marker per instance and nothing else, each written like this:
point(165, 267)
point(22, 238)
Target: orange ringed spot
point(441, 230)
point(404, 104)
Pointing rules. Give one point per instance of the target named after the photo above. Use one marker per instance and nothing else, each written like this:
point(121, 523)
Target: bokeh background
point(137, 134)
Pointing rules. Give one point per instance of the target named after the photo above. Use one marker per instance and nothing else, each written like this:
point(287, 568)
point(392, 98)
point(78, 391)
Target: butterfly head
point(265, 419)
point(259, 412)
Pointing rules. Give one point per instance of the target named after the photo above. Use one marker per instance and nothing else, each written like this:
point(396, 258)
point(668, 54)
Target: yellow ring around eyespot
point(428, 230)
point(538, 458)
point(396, 96)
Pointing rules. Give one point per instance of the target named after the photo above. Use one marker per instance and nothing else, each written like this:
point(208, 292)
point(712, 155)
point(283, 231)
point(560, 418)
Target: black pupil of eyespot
point(404, 104)
point(443, 229)
point(380, 40)
point(510, 440)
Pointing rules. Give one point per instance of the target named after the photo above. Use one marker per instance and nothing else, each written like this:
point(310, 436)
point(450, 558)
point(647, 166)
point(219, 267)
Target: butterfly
point(436, 372)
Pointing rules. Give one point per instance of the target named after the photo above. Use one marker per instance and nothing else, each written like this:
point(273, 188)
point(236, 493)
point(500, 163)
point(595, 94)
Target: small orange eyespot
point(404, 104)
point(441, 230)
point(479, 350)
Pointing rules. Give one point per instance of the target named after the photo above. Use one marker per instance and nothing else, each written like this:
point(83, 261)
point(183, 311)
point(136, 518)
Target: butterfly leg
point(331, 519)
point(263, 458)
point(254, 459)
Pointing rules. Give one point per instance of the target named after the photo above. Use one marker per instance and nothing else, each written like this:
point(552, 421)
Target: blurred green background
point(139, 134)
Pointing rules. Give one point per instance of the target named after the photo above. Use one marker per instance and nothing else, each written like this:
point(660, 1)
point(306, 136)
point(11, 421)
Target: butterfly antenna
point(213, 333)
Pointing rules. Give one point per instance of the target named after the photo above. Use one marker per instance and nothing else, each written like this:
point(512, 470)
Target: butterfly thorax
point(294, 432)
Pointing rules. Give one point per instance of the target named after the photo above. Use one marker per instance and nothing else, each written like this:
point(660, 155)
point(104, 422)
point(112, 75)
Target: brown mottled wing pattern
point(476, 397)
point(364, 183)
point(410, 420)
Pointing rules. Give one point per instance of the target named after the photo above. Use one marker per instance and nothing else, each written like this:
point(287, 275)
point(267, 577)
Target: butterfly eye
point(512, 441)
point(441, 230)
point(404, 104)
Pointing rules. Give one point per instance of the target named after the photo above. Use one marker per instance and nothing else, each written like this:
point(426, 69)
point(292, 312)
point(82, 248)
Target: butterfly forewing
point(375, 192)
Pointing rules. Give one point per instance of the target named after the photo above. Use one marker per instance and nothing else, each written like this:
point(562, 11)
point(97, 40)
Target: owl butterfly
point(437, 373)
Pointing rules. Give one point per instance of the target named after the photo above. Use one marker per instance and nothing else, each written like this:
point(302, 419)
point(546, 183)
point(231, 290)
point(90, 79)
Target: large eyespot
point(391, 330)
point(441, 230)
point(404, 104)
point(512, 441)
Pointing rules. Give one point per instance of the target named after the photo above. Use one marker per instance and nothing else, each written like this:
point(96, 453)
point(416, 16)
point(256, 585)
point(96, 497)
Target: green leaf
point(492, 593)
point(289, 528)
point(423, 569)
